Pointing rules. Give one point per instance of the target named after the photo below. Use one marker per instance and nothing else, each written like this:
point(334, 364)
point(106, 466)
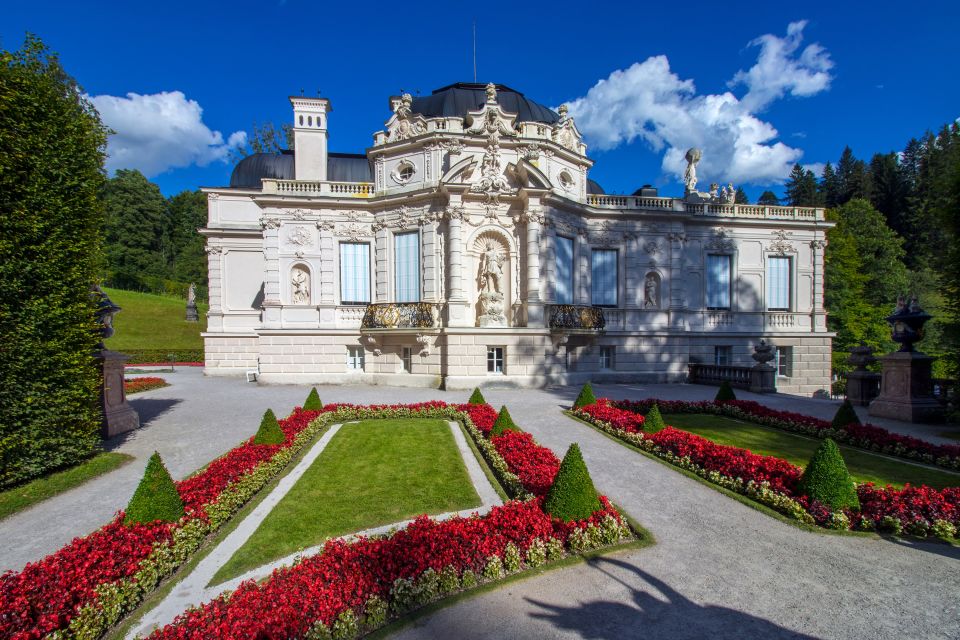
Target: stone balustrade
point(319, 188)
point(716, 374)
point(401, 315)
point(576, 317)
point(759, 212)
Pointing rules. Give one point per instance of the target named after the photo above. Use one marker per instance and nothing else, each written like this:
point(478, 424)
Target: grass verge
point(372, 473)
point(26, 495)
point(149, 321)
point(797, 449)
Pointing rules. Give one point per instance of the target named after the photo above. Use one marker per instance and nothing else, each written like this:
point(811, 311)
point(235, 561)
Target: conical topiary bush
point(572, 495)
point(312, 402)
point(476, 397)
point(503, 423)
point(725, 392)
point(156, 497)
point(269, 431)
point(845, 415)
point(827, 480)
point(585, 397)
point(653, 421)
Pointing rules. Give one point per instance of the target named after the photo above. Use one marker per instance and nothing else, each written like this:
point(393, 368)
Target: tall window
point(354, 273)
point(354, 358)
point(407, 266)
point(785, 361)
point(718, 281)
point(406, 357)
point(604, 277)
point(778, 283)
point(723, 356)
point(494, 359)
point(606, 357)
point(564, 282)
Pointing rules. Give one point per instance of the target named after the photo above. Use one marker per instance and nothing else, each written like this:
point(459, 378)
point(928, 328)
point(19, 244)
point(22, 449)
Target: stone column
point(534, 218)
point(818, 317)
point(271, 276)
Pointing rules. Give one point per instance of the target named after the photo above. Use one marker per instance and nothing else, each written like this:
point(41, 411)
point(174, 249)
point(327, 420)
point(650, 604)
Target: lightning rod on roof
point(474, 50)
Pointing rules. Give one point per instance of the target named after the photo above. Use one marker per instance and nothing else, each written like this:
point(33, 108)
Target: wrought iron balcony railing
point(401, 315)
point(572, 316)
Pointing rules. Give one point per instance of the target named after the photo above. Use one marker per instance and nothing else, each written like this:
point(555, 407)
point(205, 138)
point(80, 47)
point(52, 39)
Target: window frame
point(570, 268)
point(722, 352)
point(708, 298)
point(406, 359)
point(604, 290)
point(356, 354)
point(418, 269)
point(607, 353)
point(343, 300)
point(493, 358)
point(784, 361)
point(789, 282)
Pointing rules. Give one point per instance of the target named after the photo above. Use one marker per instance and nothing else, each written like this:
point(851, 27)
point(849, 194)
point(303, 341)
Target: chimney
point(310, 137)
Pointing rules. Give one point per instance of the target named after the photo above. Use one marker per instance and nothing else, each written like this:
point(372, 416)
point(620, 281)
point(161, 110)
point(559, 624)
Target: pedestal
point(118, 416)
point(763, 379)
point(192, 315)
point(906, 391)
point(862, 387)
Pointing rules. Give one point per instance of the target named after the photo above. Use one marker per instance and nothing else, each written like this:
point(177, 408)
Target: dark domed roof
point(594, 188)
point(457, 99)
point(341, 167)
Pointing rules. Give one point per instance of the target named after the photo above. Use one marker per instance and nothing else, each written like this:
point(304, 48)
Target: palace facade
point(468, 246)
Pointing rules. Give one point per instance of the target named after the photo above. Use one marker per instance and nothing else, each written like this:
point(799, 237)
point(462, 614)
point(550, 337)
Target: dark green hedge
point(826, 478)
point(156, 497)
point(51, 157)
point(572, 495)
point(141, 356)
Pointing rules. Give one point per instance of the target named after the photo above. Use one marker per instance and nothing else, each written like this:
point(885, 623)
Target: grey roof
point(341, 167)
point(594, 188)
point(457, 99)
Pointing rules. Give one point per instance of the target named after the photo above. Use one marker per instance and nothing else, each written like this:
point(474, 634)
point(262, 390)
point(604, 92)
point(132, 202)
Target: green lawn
point(149, 321)
point(863, 466)
point(371, 473)
point(29, 494)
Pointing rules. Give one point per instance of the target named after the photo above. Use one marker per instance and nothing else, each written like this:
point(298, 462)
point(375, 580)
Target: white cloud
point(160, 131)
point(648, 101)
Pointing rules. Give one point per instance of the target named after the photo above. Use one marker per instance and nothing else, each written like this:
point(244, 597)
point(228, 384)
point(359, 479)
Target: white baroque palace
point(468, 247)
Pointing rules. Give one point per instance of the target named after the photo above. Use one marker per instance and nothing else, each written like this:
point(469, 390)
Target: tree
point(801, 187)
point(186, 213)
point(827, 480)
point(888, 190)
point(52, 146)
point(741, 196)
point(265, 138)
point(135, 225)
point(768, 199)
point(829, 187)
point(880, 250)
point(853, 180)
point(572, 496)
point(156, 497)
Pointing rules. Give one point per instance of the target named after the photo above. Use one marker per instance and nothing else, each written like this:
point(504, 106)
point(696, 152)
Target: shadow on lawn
point(649, 616)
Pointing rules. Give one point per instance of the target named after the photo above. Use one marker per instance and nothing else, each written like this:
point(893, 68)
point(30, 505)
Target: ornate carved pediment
point(780, 245)
point(404, 124)
point(565, 132)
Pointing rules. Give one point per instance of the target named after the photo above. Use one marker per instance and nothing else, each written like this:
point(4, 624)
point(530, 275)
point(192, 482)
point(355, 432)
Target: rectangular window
point(778, 283)
point(784, 361)
point(355, 358)
point(354, 273)
point(606, 357)
point(494, 359)
point(603, 270)
point(718, 281)
point(564, 281)
point(407, 266)
point(406, 356)
point(723, 356)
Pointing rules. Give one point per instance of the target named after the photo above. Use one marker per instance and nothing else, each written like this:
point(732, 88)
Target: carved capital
point(269, 223)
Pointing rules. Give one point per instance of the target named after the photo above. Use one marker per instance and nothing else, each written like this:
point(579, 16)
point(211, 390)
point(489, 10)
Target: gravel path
point(719, 568)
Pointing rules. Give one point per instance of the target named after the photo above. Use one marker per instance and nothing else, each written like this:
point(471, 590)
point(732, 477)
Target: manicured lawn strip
point(863, 466)
point(371, 473)
point(29, 494)
point(487, 471)
point(149, 321)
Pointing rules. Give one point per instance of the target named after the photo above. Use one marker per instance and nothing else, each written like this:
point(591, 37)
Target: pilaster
point(271, 281)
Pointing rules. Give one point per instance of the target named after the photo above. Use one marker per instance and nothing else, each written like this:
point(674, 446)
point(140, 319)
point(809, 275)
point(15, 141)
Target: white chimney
point(310, 137)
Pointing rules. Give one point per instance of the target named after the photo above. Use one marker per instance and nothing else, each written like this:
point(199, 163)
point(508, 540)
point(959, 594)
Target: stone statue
point(491, 269)
point(491, 93)
point(731, 197)
point(191, 293)
point(651, 292)
point(690, 175)
point(714, 190)
point(192, 315)
point(301, 286)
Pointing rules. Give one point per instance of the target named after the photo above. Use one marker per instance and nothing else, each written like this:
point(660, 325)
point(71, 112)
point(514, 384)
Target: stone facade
point(513, 249)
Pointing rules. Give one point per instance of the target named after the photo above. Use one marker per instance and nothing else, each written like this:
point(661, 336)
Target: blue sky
point(813, 76)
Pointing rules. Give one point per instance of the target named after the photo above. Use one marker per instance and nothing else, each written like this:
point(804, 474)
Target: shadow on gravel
point(149, 409)
point(939, 548)
point(649, 616)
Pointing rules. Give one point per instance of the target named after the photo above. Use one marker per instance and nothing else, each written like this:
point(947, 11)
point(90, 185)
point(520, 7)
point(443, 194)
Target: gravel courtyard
point(719, 569)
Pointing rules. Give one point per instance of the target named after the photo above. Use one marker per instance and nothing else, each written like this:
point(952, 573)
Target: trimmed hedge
point(503, 423)
point(572, 495)
point(312, 402)
point(476, 397)
point(845, 415)
point(653, 421)
point(725, 392)
point(269, 431)
point(156, 497)
point(827, 480)
point(141, 356)
point(585, 397)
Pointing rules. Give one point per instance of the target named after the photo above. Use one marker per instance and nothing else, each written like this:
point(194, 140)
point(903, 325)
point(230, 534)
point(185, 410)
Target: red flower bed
point(482, 415)
point(536, 466)
point(911, 505)
point(146, 383)
point(626, 421)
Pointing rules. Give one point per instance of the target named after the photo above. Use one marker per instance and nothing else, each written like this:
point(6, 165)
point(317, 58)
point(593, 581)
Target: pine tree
point(156, 497)
point(572, 495)
point(312, 402)
point(768, 199)
point(829, 187)
point(801, 187)
point(741, 196)
point(269, 431)
point(827, 480)
point(585, 397)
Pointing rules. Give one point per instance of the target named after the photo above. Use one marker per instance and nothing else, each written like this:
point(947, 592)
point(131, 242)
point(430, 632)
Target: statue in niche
point(300, 283)
point(651, 291)
point(491, 286)
point(690, 175)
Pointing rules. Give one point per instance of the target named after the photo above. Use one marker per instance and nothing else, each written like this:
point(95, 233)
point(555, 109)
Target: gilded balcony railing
point(401, 315)
point(572, 316)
